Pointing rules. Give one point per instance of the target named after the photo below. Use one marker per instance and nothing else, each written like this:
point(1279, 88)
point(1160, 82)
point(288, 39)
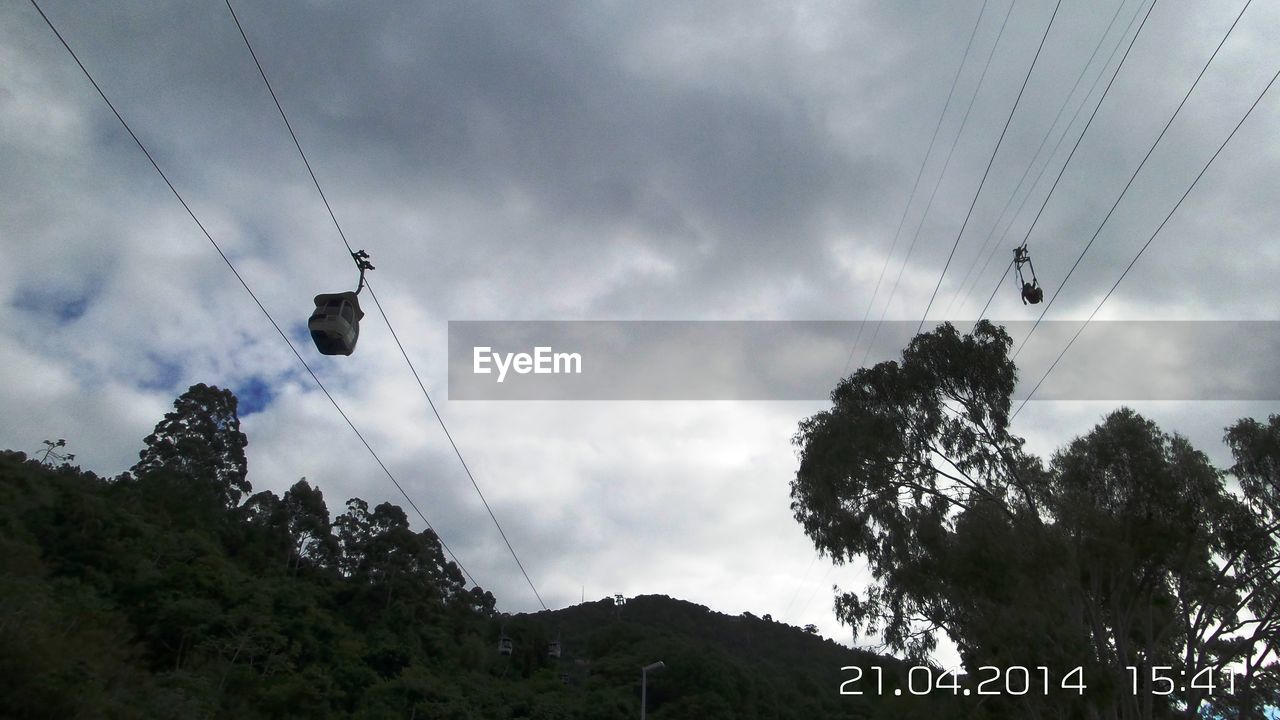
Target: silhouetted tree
point(380, 549)
point(308, 522)
point(1254, 566)
point(52, 452)
point(200, 441)
point(1127, 551)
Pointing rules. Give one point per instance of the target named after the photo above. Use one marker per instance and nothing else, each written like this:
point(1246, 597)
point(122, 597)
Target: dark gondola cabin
point(335, 324)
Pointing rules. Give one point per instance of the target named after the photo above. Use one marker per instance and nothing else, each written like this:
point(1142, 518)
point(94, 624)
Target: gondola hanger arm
point(361, 259)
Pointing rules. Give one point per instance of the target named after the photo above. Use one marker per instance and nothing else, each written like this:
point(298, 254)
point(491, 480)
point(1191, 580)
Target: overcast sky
point(575, 160)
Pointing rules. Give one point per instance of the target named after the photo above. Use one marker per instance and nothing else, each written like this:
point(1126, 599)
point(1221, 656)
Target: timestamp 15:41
point(1164, 680)
point(1038, 680)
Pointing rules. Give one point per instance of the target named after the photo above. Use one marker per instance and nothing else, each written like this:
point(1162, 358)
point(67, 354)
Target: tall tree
point(200, 441)
point(905, 448)
point(1255, 566)
point(379, 548)
point(1127, 551)
point(1147, 521)
point(309, 525)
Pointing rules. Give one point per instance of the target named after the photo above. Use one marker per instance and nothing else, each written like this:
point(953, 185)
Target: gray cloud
point(579, 161)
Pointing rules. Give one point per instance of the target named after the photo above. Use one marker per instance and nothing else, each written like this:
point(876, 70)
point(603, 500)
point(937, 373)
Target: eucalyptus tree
point(1124, 568)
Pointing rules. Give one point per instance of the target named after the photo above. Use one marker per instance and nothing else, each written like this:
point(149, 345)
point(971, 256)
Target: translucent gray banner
point(803, 360)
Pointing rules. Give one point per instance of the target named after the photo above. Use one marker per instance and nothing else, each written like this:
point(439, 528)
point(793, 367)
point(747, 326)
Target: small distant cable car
point(1032, 294)
point(335, 323)
point(553, 649)
point(504, 645)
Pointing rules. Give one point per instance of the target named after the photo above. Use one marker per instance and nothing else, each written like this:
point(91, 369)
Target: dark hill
point(717, 665)
point(130, 598)
point(174, 591)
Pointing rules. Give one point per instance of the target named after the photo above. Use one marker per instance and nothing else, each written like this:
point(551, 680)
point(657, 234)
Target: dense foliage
point(1128, 549)
point(174, 591)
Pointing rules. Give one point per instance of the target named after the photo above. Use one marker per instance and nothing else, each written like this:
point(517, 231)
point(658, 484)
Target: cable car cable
point(1058, 289)
point(245, 284)
point(897, 235)
point(911, 196)
point(799, 585)
point(893, 289)
point(1089, 123)
point(1017, 213)
point(802, 609)
point(990, 162)
point(995, 290)
point(1146, 245)
point(960, 295)
point(378, 304)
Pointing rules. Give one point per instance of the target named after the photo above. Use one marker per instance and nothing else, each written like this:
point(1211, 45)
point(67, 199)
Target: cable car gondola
point(335, 323)
point(1032, 294)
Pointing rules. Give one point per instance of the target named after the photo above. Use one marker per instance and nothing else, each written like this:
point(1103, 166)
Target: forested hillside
point(174, 591)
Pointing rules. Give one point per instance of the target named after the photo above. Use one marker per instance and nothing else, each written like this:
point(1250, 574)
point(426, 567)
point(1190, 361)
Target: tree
point(200, 441)
point(309, 527)
point(1146, 517)
point(904, 449)
point(1126, 551)
point(51, 452)
point(1255, 567)
point(379, 549)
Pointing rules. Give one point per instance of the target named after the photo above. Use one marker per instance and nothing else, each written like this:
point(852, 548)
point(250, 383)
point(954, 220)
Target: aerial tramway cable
point(246, 287)
point(421, 386)
point(1147, 244)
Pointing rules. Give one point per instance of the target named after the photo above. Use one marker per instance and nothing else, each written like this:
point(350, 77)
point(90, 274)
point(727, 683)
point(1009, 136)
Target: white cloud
point(572, 162)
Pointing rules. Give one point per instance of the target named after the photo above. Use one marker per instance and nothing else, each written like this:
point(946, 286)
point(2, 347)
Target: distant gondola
point(1032, 294)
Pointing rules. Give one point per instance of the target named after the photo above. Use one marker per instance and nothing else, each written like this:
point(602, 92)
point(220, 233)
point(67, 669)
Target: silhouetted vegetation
point(174, 591)
point(1127, 554)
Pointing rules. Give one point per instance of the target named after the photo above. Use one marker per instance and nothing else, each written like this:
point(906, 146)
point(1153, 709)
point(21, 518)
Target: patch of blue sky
point(165, 373)
point(61, 305)
point(254, 394)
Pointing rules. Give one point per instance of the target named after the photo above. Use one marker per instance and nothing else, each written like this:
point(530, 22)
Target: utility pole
point(644, 684)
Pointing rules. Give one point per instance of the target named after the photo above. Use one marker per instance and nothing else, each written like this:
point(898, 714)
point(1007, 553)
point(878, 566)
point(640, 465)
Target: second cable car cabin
point(1031, 291)
point(335, 323)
